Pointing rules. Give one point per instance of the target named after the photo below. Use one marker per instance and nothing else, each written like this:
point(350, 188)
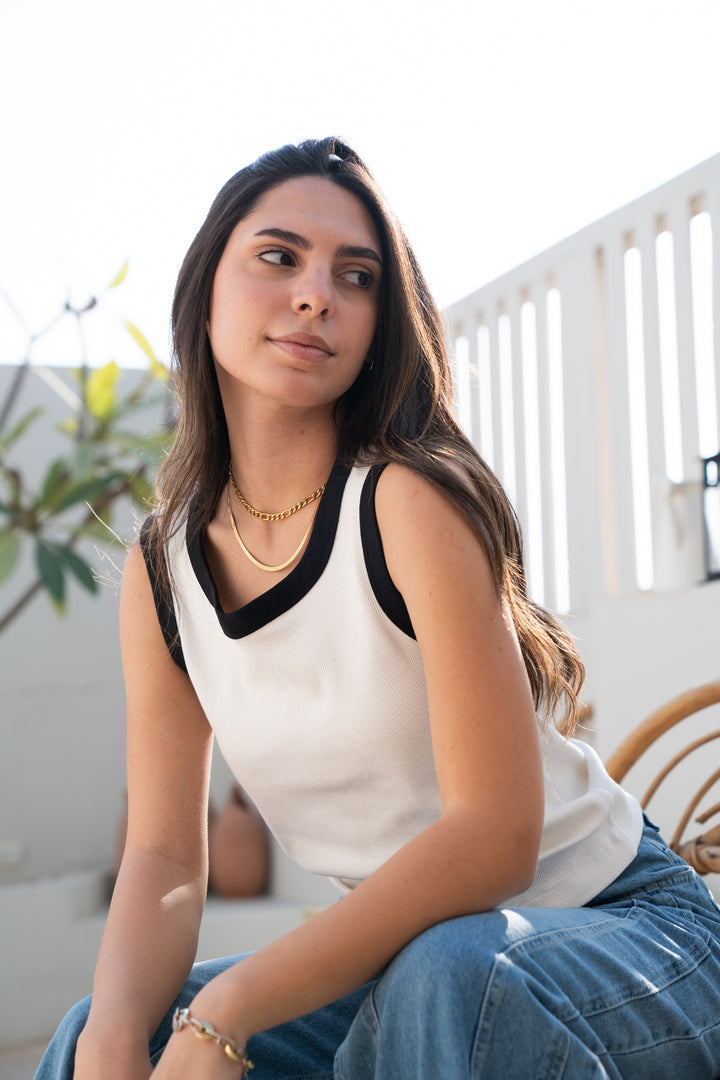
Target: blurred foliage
point(106, 460)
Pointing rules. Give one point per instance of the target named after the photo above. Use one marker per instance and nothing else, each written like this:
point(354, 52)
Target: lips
point(304, 346)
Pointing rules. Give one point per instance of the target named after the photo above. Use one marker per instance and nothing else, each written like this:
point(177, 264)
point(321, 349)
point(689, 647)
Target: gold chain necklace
point(249, 554)
point(273, 517)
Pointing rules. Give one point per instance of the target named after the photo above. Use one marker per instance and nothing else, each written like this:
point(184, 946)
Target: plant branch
point(21, 603)
point(24, 365)
point(14, 391)
point(93, 513)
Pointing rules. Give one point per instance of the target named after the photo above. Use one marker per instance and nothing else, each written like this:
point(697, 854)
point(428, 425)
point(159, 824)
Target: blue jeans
point(626, 987)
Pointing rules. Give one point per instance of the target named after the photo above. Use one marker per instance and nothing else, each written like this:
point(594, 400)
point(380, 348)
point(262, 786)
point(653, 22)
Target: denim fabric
point(302, 1048)
point(626, 987)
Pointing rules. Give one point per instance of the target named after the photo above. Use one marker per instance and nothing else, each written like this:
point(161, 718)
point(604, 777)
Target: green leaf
point(56, 475)
point(51, 569)
point(142, 492)
point(14, 434)
point(83, 490)
point(81, 569)
point(9, 553)
point(84, 459)
point(141, 340)
point(100, 390)
point(120, 276)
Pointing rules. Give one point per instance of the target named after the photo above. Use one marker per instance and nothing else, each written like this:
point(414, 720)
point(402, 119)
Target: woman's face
point(295, 296)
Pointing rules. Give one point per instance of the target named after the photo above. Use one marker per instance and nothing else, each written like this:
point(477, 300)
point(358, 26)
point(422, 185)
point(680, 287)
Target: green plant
point(106, 460)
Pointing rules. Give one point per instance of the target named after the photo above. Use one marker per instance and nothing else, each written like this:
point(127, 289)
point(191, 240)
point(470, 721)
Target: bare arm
point(150, 938)
point(486, 750)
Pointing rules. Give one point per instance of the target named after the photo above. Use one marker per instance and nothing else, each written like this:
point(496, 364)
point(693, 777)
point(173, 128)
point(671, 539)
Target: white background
point(495, 130)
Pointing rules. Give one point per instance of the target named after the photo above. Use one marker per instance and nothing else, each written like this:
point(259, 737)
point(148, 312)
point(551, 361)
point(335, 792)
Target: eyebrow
point(352, 251)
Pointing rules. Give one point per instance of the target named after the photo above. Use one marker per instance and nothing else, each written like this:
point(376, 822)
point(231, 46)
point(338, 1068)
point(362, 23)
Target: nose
point(314, 293)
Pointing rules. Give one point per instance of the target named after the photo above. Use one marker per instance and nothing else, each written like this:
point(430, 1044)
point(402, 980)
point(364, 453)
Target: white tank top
point(316, 694)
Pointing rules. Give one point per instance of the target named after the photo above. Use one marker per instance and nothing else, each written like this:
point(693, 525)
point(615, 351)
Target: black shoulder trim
point(165, 610)
point(386, 593)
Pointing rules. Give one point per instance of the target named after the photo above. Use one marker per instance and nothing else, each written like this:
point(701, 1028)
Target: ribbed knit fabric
point(317, 697)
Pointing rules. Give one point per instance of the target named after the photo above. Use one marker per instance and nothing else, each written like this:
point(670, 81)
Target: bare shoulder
point(160, 696)
point(424, 533)
point(134, 571)
point(141, 637)
point(401, 488)
point(136, 596)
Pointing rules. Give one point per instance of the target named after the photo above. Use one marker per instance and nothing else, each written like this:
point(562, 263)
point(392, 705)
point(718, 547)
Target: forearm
point(148, 945)
point(431, 879)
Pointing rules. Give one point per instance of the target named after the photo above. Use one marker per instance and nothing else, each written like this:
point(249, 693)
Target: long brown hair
point(399, 409)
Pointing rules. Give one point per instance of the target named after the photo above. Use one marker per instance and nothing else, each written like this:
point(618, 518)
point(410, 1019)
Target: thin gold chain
point(283, 513)
point(249, 554)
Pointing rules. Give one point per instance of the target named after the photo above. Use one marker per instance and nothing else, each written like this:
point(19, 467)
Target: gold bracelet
point(203, 1030)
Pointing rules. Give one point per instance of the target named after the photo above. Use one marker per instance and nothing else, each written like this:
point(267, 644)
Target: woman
point(332, 584)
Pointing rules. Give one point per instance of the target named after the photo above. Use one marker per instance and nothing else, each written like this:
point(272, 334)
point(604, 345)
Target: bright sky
point(495, 129)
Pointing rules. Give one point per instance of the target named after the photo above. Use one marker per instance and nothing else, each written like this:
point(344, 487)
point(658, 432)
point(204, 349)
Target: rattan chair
point(702, 851)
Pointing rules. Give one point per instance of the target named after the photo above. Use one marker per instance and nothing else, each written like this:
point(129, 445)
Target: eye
point(362, 278)
point(277, 257)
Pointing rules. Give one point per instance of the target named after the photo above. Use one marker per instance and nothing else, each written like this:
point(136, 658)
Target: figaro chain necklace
point(270, 517)
point(283, 513)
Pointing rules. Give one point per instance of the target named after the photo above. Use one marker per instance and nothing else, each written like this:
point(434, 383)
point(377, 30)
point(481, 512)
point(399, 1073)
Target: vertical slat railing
point(679, 221)
point(482, 340)
point(497, 439)
point(712, 205)
point(462, 379)
point(620, 576)
point(545, 422)
point(513, 310)
point(604, 487)
point(473, 381)
point(645, 237)
point(577, 280)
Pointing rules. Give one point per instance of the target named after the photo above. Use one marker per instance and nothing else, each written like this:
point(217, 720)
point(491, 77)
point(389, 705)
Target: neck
point(275, 459)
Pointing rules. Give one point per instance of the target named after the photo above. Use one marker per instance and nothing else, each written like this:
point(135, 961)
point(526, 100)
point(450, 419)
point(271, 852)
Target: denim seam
point(369, 1003)
point(488, 1007)
point(680, 879)
point(679, 1039)
point(551, 937)
point(531, 947)
point(486, 1021)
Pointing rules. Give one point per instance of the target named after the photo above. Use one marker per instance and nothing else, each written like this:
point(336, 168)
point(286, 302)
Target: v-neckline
point(286, 593)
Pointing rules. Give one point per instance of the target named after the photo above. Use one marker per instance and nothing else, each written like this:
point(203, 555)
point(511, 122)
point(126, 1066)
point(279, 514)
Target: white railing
point(588, 378)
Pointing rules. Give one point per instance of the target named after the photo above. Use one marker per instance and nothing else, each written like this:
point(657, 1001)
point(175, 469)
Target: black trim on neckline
point(288, 592)
point(165, 611)
point(386, 593)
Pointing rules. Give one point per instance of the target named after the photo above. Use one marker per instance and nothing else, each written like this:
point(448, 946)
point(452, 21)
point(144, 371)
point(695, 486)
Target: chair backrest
point(702, 851)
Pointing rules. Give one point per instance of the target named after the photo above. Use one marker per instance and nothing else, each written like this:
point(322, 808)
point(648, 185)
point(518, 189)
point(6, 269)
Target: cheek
point(235, 314)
